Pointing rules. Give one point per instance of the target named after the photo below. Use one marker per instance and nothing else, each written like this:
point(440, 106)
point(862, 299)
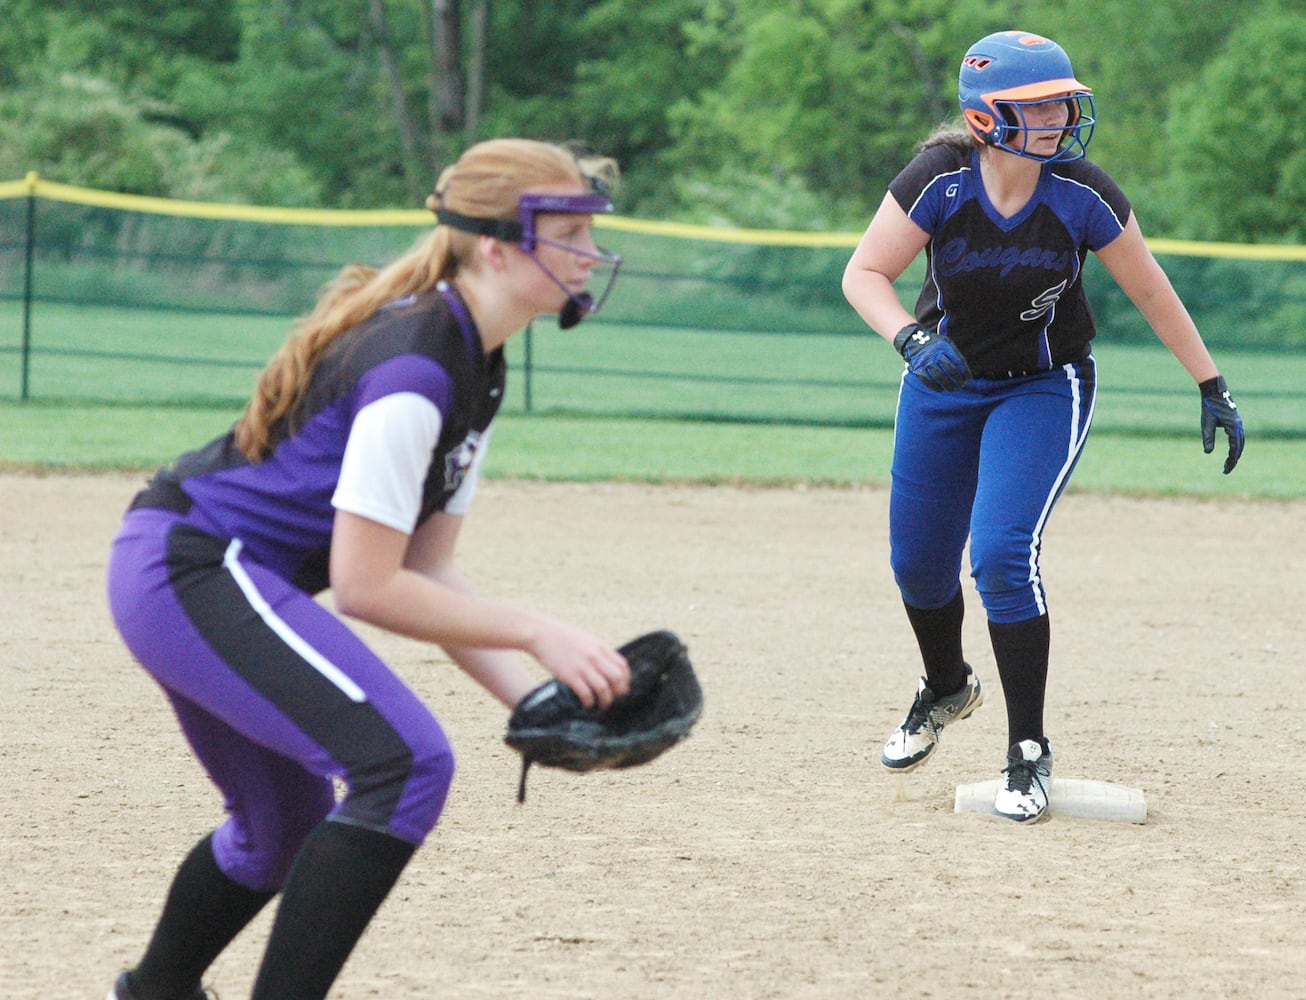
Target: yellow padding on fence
point(213, 210)
point(34, 186)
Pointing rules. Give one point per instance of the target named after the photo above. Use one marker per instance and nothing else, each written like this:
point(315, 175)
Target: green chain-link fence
point(113, 298)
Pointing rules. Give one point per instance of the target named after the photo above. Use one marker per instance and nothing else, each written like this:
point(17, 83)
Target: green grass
point(130, 389)
point(86, 355)
point(68, 437)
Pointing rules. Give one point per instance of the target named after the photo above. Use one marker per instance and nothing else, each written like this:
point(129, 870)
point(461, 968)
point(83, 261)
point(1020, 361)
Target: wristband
point(1213, 387)
point(904, 336)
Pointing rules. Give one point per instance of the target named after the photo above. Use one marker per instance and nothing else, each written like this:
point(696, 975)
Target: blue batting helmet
point(1003, 75)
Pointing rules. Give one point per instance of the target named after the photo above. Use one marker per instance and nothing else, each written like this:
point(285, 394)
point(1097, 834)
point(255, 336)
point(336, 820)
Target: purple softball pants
point(276, 696)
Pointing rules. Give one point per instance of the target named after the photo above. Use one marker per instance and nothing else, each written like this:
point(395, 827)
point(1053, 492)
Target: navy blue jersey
point(392, 427)
point(1009, 291)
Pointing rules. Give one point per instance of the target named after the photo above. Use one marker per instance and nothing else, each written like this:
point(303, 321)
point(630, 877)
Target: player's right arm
point(891, 242)
point(499, 671)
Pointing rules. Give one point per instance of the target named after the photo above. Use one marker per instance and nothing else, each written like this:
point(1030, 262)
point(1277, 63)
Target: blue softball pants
point(988, 461)
point(277, 697)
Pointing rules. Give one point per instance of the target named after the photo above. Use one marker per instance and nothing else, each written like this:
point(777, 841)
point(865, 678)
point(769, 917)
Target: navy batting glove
point(1219, 410)
point(933, 359)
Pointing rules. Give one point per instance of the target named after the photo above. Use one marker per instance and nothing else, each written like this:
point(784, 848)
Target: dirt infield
point(769, 856)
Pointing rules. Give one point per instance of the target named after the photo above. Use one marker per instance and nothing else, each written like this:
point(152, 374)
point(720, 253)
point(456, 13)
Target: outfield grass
point(52, 438)
point(90, 355)
point(130, 389)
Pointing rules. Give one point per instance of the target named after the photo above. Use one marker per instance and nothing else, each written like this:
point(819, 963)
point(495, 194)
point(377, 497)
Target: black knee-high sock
point(1021, 650)
point(339, 879)
point(204, 912)
point(938, 633)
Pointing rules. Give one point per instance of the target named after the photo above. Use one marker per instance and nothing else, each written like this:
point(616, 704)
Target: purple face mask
point(522, 231)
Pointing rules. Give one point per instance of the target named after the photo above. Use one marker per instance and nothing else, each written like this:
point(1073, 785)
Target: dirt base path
point(769, 856)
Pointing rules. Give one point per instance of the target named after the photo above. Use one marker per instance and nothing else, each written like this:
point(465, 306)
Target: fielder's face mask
point(522, 231)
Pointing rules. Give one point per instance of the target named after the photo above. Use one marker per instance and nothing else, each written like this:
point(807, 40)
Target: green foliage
point(1133, 56)
point(639, 61)
point(752, 112)
point(732, 195)
point(1239, 165)
point(80, 130)
point(804, 101)
point(306, 82)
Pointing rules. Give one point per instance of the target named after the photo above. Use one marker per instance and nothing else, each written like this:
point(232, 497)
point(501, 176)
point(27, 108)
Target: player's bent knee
point(259, 857)
point(1009, 586)
point(1004, 607)
point(926, 589)
point(424, 795)
point(403, 793)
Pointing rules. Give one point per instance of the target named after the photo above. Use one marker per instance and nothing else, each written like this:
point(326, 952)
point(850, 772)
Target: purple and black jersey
point(1009, 291)
point(392, 427)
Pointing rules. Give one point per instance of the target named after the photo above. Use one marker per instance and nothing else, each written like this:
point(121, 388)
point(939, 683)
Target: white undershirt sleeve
point(386, 460)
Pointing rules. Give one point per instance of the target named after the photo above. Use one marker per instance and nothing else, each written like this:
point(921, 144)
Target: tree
point(776, 113)
point(79, 130)
point(1135, 56)
point(418, 161)
point(824, 98)
point(1238, 170)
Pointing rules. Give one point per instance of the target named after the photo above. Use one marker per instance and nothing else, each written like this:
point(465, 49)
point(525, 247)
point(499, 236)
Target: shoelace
point(1021, 775)
point(918, 717)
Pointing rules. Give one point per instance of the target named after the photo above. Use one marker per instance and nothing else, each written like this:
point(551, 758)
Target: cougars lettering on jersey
point(1009, 290)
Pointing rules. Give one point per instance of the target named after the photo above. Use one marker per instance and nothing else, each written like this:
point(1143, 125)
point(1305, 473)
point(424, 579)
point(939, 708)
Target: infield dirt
point(769, 856)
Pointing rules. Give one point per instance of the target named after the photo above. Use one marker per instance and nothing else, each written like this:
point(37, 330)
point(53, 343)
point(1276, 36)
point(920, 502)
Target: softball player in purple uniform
point(997, 395)
point(351, 467)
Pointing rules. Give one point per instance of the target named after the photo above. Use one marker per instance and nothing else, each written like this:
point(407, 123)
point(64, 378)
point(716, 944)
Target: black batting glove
point(1219, 410)
point(933, 359)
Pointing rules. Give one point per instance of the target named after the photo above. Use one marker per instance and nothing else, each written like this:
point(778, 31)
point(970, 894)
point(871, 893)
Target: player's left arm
point(431, 553)
point(1135, 269)
point(1131, 263)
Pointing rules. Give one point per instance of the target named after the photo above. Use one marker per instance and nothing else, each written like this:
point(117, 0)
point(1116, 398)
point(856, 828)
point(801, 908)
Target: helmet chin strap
point(575, 309)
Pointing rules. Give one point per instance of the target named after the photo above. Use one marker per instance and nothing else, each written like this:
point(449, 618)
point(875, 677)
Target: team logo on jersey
point(1045, 301)
point(459, 460)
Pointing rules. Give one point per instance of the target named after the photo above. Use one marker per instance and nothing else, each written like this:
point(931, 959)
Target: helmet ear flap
point(982, 125)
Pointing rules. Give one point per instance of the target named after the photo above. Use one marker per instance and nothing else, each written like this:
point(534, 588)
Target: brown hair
point(486, 182)
point(952, 132)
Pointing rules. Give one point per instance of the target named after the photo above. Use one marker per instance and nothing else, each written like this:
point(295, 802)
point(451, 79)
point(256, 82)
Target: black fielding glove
point(1219, 410)
point(933, 359)
point(551, 727)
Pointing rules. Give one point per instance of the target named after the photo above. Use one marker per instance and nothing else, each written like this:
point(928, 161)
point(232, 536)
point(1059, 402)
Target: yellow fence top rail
point(34, 186)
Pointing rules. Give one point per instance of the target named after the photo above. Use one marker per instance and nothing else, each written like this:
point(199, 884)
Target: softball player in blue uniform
point(997, 395)
point(351, 468)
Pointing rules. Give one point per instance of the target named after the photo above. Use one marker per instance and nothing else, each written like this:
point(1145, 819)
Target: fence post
point(28, 258)
point(529, 362)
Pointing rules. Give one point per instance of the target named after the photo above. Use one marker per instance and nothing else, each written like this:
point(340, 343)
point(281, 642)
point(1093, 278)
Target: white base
point(1076, 797)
